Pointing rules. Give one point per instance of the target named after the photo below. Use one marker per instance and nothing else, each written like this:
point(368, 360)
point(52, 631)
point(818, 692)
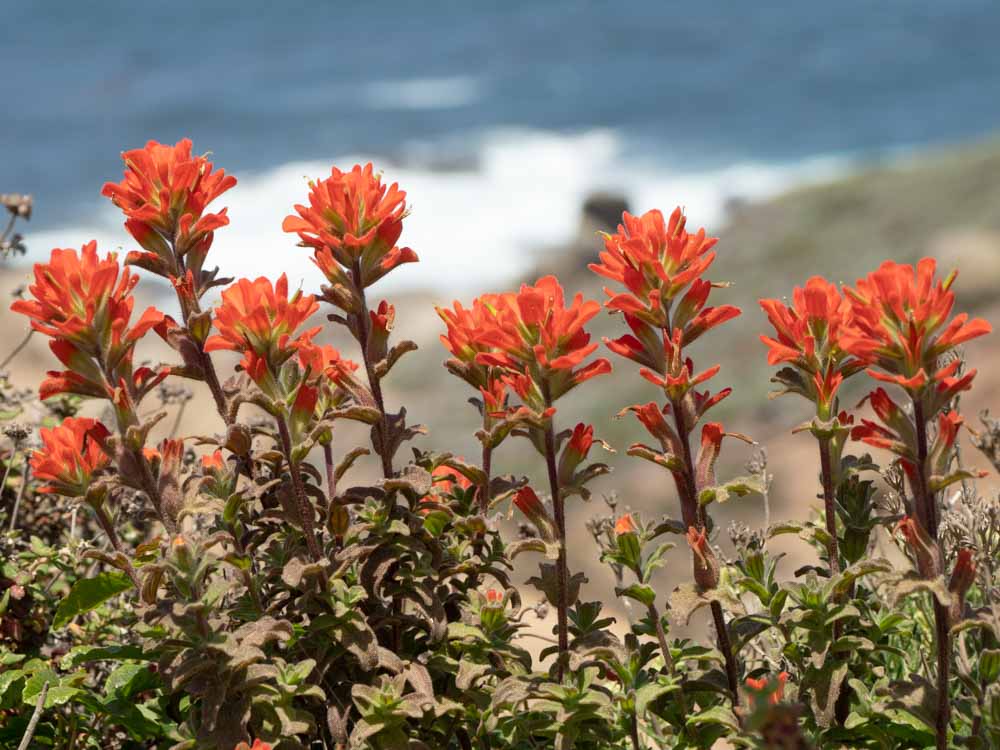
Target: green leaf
point(88, 594)
point(640, 592)
point(83, 654)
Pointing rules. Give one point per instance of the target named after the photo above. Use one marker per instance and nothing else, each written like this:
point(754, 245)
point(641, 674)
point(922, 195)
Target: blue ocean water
point(523, 101)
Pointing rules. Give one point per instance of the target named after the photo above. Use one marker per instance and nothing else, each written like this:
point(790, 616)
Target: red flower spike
point(259, 319)
point(809, 335)
point(655, 261)
point(706, 566)
point(82, 299)
point(900, 323)
point(353, 220)
point(70, 455)
point(164, 194)
point(535, 334)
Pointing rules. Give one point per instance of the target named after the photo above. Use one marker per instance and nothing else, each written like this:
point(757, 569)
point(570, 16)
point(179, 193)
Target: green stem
point(301, 499)
point(926, 506)
point(562, 570)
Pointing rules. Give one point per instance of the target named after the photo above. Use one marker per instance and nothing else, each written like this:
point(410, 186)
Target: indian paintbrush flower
point(164, 195)
point(353, 222)
point(70, 455)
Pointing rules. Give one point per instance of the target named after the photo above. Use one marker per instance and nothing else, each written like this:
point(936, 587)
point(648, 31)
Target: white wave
point(423, 93)
point(474, 228)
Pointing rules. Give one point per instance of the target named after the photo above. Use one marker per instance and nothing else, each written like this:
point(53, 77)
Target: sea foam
point(475, 225)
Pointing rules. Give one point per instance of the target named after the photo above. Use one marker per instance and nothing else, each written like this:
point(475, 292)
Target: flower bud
point(963, 575)
point(706, 567)
point(925, 551)
point(238, 439)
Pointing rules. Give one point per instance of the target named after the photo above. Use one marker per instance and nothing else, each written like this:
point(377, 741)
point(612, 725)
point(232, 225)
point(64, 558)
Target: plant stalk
point(301, 499)
point(562, 571)
point(668, 658)
point(925, 503)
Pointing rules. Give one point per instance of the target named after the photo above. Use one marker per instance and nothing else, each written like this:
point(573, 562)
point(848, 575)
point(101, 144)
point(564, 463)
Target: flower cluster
point(70, 456)
point(164, 196)
point(809, 336)
point(353, 222)
point(84, 304)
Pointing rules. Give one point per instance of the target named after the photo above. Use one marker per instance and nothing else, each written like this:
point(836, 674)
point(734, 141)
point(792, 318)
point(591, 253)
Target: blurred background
point(812, 138)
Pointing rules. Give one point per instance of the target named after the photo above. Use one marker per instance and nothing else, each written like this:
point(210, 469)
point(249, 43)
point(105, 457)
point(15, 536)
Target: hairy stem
point(926, 506)
point(829, 507)
point(726, 647)
point(562, 571)
point(331, 474)
point(633, 731)
point(692, 509)
point(484, 490)
point(668, 658)
point(301, 499)
point(106, 524)
point(363, 336)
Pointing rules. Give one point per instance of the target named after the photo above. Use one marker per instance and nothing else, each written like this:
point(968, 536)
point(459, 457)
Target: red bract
point(535, 333)
point(465, 327)
point(775, 688)
point(900, 324)
point(353, 222)
point(655, 261)
point(81, 299)
point(260, 321)
point(325, 361)
point(70, 455)
point(808, 336)
point(706, 566)
point(164, 194)
point(528, 503)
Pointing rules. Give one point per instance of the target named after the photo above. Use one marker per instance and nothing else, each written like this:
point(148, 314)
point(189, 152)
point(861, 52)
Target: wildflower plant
point(238, 590)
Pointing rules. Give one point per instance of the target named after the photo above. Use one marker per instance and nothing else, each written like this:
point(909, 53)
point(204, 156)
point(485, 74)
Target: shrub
point(219, 591)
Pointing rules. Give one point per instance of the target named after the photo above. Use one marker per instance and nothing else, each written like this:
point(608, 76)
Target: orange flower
point(775, 688)
point(625, 525)
point(534, 333)
point(655, 261)
point(353, 222)
point(213, 462)
point(70, 455)
point(260, 321)
point(257, 745)
point(494, 596)
point(900, 325)
point(164, 194)
point(82, 299)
